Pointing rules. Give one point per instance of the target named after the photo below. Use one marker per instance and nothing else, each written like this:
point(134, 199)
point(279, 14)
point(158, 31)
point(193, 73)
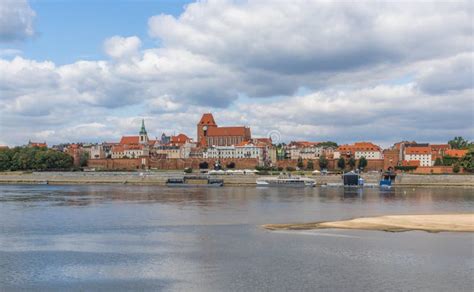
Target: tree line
point(34, 158)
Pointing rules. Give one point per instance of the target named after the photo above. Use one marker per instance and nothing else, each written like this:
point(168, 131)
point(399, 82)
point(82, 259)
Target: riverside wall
point(160, 177)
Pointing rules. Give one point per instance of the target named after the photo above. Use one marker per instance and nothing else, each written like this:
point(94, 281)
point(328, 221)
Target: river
point(121, 237)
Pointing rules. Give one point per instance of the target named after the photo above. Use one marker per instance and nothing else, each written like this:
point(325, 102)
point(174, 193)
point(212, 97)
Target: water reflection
point(152, 238)
point(97, 194)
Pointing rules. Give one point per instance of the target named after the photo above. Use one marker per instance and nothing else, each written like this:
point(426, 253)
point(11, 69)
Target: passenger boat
point(286, 181)
point(195, 181)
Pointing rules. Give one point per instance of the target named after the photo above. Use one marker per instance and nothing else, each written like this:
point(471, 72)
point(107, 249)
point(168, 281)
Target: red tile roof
point(37, 144)
point(228, 131)
point(418, 150)
point(359, 146)
point(455, 152)
point(118, 148)
point(129, 140)
point(179, 139)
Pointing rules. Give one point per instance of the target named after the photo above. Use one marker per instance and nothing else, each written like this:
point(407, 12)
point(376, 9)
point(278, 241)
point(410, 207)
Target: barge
point(195, 181)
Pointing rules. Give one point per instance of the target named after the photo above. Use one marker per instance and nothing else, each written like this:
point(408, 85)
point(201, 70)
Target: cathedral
point(209, 134)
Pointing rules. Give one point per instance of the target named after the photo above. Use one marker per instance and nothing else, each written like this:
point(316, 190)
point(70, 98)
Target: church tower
point(206, 122)
point(143, 135)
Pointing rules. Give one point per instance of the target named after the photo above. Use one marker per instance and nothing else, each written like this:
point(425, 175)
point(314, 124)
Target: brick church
point(209, 134)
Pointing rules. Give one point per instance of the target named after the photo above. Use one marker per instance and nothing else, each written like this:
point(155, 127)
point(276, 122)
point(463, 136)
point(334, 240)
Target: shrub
point(263, 172)
point(456, 168)
point(188, 170)
point(300, 163)
point(406, 167)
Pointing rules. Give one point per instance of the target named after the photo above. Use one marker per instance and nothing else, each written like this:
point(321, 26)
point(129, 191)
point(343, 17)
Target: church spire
point(143, 130)
point(143, 134)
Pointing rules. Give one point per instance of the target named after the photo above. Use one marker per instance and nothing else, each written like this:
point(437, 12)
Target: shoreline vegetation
point(393, 223)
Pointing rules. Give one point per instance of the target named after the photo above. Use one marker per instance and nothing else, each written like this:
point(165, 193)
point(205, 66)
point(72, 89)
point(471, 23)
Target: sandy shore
point(395, 223)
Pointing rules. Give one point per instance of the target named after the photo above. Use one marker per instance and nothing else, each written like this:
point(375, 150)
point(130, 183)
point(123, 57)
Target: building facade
point(359, 149)
point(209, 134)
point(418, 155)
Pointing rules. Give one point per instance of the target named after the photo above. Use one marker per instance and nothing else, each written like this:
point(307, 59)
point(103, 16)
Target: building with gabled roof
point(419, 153)
point(458, 153)
point(359, 149)
point(37, 144)
point(210, 134)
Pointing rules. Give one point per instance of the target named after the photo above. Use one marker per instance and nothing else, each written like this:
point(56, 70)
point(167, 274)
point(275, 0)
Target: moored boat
point(386, 179)
point(286, 181)
point(195, 181)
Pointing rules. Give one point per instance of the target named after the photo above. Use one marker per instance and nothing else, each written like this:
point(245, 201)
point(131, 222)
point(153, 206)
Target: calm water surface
point(156, 238)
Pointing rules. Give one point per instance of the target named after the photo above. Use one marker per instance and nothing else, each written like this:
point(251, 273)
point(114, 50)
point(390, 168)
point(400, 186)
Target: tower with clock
point(206, 122)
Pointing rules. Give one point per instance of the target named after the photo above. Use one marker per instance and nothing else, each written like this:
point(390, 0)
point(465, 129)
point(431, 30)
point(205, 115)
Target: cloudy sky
point(314, 70)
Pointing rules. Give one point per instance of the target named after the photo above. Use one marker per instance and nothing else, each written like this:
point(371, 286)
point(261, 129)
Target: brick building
point(359, 149)
point(209, 134)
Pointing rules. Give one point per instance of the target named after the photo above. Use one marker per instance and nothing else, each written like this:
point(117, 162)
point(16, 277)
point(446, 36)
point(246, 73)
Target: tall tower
point(206, 122)
point(143, 135)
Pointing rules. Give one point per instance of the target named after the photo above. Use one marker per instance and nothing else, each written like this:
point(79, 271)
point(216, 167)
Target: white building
point(368, 154)
point(421, 154)
point(243, 150)
point(97, 152)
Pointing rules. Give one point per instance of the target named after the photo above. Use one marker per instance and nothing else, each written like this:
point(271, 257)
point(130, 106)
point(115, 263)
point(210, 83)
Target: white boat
point(286, 181)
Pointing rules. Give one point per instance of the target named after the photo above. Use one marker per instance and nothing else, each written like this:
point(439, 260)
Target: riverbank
point(160, 177)
point(395, 223)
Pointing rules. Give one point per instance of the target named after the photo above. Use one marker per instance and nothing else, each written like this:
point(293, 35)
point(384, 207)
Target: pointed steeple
point(143, 130)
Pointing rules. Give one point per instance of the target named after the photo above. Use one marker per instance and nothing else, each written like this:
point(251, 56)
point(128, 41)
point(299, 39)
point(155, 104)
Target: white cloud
point(10, 52)
point(225, 56)
point(120, 47)
point(16, 20)
point(451, 74)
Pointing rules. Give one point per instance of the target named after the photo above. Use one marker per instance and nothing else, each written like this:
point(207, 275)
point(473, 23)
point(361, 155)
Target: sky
point(381, 71)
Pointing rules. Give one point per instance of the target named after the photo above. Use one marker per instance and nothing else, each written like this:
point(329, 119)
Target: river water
point(119, 237)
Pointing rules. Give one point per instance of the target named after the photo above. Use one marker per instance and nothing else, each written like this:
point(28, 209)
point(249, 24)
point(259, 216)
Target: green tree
point(449, 160)
point(5, 159)
point(362, 162)
point(341, 163)
point(323, 162)
point(328, 144)
point(467, 162)
point(300, 163)
point(85, 156)
point(438, 162)
point(352, 162)
point(458, 143)
point(310, 165)
point(34, 158)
